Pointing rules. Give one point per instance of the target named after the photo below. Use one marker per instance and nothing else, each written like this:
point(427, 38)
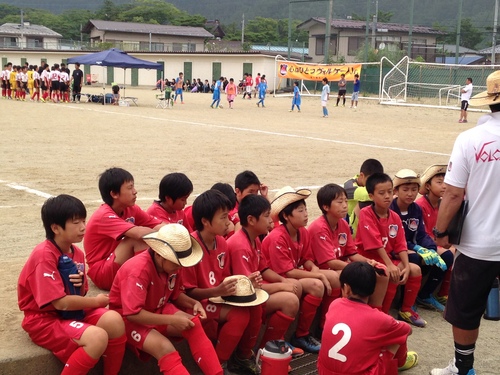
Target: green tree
point(381, 16)
point(470, 36)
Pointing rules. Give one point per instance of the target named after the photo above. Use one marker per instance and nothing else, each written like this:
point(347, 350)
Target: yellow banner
point(316, 72)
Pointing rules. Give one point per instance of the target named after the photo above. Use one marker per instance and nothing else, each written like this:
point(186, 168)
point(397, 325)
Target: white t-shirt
point(468, 92)
point(324, 93)
point(475, 165)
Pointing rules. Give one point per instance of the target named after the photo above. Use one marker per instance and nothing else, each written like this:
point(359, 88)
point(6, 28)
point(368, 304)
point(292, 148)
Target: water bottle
point(67, 267)
point(493, 303)
point(274, 358)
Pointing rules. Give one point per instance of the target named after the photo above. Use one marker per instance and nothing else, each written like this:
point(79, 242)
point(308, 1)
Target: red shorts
point(103, 272)
point(137, 333)
point(51, 332)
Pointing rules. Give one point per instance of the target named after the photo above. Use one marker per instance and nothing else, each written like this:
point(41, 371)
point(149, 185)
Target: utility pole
point(494, 41)
point(21, 42)
point(367, 27)
point(328, 31)
point(459, 27)
point(243, 29)
point(374, 26)
point(410, 29)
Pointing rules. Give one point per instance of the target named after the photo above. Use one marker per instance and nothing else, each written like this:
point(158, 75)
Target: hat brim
point(279, 203)
point(398, 181)
point(429, 174)
point(166, 251)
point(484, 99)
point(262, 296)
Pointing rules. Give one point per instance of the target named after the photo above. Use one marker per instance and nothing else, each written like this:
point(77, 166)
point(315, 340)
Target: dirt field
point(49, 149)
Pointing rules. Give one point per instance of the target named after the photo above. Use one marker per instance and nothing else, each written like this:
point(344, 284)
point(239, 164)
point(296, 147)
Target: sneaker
point(355, 107)
point(430, 303)
point(308, 343)
point(242, 365)
point(291, 110)
point(464, 121)
point(450, 370)
point(442, 300)
point(411, 361)
point(258, 105)
point(296, 352)
point(460, 121)
point(412, 317)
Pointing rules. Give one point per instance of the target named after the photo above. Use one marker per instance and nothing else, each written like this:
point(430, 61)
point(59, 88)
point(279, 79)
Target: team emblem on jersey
point(222, 260)
point(171, 281)
point(342, 239)
point(413, 224)
point(130, 220)
point(393, 230)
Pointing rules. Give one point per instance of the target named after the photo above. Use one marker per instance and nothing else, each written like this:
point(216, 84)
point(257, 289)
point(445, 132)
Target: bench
point(131, 99)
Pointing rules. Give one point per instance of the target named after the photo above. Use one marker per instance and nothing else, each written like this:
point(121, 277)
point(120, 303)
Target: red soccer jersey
point(283, 254)
point(106, 228)
point(242, 258)
point(233, 215)
point(429, 214)
point(375, 232)
point(138, 286)
point(355, 335)
point(188, 213)
point(40, 282)
point(327, 244)
point(177, 217)
point(212, 269)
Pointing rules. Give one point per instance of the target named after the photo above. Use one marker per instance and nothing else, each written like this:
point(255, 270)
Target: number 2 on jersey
point(335, 349)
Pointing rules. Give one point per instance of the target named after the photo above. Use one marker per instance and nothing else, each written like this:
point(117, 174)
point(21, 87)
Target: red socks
point(171, 363)
point(276, 327)
point(202, 349)
point(307, 312)
point(231, 332)
point(79, 363)
point(411, 291)
point(325, 305)
point(251, 333)
point(389, 297)
point(113, 355)
point(445, 285)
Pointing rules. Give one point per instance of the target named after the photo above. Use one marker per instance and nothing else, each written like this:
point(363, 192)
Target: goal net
point(428, 84)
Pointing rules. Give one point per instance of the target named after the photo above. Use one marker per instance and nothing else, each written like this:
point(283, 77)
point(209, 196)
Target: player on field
point(296, 101)
point(115, 230)
point(342, 90)
point(57, 315)
point(148, 291)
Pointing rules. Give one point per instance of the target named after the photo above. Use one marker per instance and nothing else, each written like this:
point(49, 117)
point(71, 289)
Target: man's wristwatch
point(439, 234)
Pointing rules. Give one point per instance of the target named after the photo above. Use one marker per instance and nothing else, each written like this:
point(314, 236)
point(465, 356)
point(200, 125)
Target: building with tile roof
point(28, 36)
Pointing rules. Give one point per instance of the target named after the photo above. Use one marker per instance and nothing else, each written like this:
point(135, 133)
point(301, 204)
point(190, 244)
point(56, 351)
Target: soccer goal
point(431, 85)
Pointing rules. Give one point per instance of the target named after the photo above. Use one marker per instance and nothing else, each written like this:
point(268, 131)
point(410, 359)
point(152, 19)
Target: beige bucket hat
point(492, 93)
point(246, 294)
point(406, 176)
point(429, 173)
point(286, 196)
point(174, 243)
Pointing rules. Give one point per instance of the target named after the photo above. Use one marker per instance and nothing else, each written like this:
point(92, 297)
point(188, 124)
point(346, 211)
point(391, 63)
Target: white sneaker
point(450, 370)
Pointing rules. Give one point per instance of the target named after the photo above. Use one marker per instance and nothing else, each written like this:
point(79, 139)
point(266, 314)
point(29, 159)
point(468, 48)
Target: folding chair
point(161, 102)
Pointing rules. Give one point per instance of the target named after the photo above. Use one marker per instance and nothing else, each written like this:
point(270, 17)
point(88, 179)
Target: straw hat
point(174, 243)
point(286, 196)
point(492, 93)
point(406, 176)
point(429, 173)
point(246, 295)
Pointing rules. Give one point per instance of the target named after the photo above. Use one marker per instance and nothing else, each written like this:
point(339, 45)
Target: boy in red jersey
point(148, 293)
point(381, 237)
point(245, 258)
point(57, 316)
point(358, 339)
point(237, 332)
point(174, 191)
point(115, 230)
point(332, 244)
point(432, 188)
point(288, 251)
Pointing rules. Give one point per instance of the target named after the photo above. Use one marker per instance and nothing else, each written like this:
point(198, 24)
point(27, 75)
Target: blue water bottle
point(493, 304)
point(67, 267)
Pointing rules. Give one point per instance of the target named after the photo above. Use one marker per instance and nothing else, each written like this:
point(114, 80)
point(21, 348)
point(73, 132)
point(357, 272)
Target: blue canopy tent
point(115, 58)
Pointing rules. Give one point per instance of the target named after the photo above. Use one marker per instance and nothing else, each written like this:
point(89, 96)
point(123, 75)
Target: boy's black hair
point(174, 185)
point(329, 193)
point(111, 180)
point(227, 190)
point(58, 210)
point(245, 179)
point(206, 205)
point(470, 79)
point(289, 209)
point(325, 80)
point(252, 205)
point(375, 179)
point(371, 166)
point(361, 277)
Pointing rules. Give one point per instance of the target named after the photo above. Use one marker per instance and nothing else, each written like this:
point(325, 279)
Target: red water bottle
point(274, 358)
